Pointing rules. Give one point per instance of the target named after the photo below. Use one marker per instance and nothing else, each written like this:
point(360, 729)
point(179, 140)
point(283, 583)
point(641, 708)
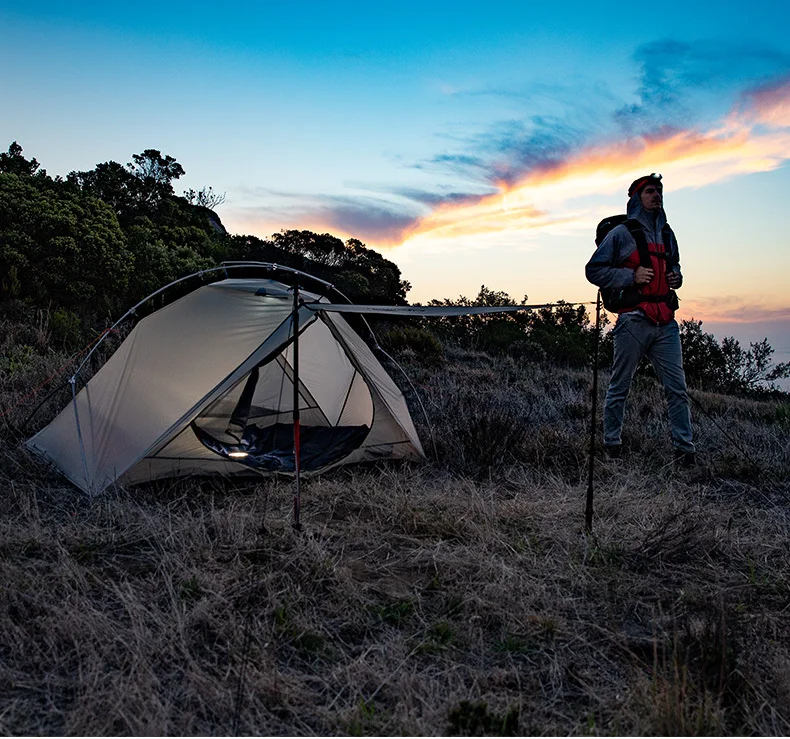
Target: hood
point(652, 224)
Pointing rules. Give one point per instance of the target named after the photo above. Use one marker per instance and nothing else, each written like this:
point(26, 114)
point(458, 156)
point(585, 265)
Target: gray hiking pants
point(635, 336)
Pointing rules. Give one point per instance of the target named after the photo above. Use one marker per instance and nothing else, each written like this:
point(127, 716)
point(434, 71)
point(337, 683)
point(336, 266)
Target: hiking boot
point(613, 452)
point(686, 460)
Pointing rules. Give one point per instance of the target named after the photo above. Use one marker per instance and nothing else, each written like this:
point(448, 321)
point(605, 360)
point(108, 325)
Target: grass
point(456, 596)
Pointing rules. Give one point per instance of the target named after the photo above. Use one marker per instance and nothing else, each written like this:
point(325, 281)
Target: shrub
point(420, 341)
point(66, 327)
point(497, 336)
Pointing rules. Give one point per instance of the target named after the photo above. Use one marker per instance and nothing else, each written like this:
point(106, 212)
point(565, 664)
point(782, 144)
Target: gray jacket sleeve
point(602, 269)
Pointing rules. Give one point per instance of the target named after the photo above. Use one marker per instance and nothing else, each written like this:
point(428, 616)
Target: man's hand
point(642, 275)
point(673, 279)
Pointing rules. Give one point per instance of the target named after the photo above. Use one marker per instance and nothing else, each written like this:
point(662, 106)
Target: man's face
point(652, 197)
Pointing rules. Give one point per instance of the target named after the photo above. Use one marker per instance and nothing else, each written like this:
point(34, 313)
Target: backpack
point(618, 299)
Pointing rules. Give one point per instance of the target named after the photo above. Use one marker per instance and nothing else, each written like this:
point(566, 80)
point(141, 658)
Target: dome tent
point(207, 385)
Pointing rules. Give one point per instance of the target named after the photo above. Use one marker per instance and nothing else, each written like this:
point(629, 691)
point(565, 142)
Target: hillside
point(460, 595)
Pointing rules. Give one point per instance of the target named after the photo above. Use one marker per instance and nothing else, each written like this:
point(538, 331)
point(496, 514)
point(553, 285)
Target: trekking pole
point(296, 418)
point(588, 512)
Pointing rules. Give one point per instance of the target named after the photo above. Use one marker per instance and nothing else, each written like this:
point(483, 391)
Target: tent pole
point(588, 513)
point(88, 482)
point(297, 524)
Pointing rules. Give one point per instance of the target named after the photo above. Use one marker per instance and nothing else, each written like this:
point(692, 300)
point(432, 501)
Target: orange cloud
point(690, 158)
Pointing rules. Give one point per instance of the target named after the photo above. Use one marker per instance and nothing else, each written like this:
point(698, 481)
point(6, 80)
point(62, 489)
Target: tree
point(750, 370)
point(362, 274)
point(384, 278)
point(135, 188)
point(205, 198)
point(12, 162)
point(109, 235)
point(703, 360)
point(59, 247)
point(112, 183)
point(320, 248)
point(161, 236)
point(488, 332)
point(155, 173)
point(561, 333)
point(566, 334)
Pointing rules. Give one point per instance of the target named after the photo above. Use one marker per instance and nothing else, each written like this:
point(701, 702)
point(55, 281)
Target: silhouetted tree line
point(87, 246)
point(564, 334)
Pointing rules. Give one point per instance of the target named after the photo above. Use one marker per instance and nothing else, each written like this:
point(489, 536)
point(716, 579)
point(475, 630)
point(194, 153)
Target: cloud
point(368, 219)
point(529, 188)
point(386, 220)
point(691, 157)
point(421, 199)
point(505, 151)
point(364, 217)
point(767, 104)
point(542, 143)
point(462, 164)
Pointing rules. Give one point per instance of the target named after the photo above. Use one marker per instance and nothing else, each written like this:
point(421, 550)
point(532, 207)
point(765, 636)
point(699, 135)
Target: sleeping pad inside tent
point(206, 385)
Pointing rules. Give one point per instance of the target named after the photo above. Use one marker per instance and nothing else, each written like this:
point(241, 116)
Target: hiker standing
point(637, 267)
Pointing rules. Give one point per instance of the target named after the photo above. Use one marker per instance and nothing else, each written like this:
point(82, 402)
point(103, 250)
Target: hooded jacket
point(613, 263)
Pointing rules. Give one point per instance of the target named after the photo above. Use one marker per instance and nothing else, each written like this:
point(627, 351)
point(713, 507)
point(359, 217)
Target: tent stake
point(297, 524)
point(588, 513)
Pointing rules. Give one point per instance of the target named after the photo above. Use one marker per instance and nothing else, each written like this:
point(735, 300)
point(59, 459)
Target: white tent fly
point(207, 385)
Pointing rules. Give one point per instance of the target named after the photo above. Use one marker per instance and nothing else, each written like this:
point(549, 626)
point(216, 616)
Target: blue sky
point(472, 143)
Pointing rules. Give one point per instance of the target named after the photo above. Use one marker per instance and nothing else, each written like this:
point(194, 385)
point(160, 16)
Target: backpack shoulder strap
point(667, 234)
point(637, 231)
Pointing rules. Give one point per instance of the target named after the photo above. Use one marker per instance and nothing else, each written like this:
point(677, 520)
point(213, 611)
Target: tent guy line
point(433, 311)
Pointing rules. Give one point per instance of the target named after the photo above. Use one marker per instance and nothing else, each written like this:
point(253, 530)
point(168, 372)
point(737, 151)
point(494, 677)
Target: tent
point(213, 383)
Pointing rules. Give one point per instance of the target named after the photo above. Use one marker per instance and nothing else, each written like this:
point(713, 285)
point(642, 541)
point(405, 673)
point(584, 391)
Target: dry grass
point(460, 596)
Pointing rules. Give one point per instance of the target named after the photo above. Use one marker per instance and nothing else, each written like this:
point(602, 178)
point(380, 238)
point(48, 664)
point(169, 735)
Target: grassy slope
point(456, 596)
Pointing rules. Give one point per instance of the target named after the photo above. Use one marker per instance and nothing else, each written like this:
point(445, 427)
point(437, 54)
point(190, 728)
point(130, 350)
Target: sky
point(470, 143)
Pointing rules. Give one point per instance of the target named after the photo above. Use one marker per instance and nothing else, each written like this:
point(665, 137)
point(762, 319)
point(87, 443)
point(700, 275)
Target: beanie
point(640, 183)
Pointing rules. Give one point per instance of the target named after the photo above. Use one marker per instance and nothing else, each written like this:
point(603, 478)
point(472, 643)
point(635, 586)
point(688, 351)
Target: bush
point(498, 336)
point(419, 341)
point(66, 327)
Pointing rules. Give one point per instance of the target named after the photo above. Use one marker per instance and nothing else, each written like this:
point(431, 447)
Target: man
point(646, 323)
